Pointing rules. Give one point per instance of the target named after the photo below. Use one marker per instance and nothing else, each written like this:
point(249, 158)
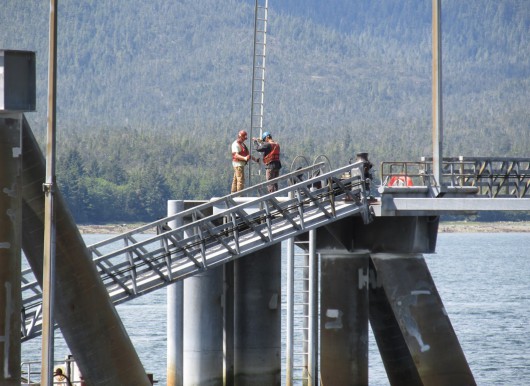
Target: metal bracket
point(48, 188)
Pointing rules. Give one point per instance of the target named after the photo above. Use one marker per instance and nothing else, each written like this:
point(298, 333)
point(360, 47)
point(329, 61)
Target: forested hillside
point(150, 94)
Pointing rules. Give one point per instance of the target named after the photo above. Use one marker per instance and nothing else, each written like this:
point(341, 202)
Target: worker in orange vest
point(240, 157)
point(271, 158)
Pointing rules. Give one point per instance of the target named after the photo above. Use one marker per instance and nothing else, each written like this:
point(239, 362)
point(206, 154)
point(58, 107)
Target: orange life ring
point(400, 181)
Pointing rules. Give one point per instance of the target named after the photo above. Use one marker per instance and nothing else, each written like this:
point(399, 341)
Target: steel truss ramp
point(154, 255)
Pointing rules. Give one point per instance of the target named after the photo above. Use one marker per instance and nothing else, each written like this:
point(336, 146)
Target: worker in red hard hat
point(240, 157)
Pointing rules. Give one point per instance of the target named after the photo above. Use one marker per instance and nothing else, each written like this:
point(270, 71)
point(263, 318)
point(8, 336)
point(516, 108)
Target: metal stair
point(154, 255)
point(302, 311)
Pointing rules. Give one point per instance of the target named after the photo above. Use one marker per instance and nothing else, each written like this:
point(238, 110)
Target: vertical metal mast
point(437, 116)
point(258, 70)
point(48, 280)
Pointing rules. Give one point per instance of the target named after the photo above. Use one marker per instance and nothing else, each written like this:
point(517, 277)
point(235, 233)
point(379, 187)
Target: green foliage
point(150, 94)
point(107, 202)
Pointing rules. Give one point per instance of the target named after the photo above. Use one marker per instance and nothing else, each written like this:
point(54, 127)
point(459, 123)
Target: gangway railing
point(66, 373)
point(154, 255)
point(490, 177)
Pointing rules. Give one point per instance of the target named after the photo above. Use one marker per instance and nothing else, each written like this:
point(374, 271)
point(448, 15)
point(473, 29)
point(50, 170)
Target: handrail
point(131, 265)
point(31, 289)
point(257, 190)
point(491, 177)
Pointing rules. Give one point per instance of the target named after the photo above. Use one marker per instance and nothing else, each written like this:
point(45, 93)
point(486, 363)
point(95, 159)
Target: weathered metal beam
point(413, 331)
point(344, 318)
point(398, 363)
point(89, 323)
point(10, 249)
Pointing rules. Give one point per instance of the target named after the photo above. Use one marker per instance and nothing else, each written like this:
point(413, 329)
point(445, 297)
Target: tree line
point(151, 94)
point(121, 179)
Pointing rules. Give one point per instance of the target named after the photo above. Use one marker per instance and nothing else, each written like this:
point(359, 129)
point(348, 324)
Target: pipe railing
point(491, 177)
point(154, 255)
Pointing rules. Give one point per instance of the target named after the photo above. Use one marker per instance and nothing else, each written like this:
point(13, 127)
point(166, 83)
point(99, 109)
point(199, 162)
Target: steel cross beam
point(154, 255)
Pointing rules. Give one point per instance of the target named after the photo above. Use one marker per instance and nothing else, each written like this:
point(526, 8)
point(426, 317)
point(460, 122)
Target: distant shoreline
point(484, 227)
point(444, 227)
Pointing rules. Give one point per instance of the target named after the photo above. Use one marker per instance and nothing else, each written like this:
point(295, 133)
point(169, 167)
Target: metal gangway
point(216, 232)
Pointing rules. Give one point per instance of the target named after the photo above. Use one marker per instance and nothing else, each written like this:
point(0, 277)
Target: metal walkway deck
point(154, 255)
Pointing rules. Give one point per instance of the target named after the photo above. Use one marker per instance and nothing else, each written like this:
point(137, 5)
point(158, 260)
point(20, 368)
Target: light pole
point(437, 121)
point(48, 280)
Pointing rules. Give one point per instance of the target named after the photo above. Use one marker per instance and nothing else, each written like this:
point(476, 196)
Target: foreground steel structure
point(361, 262)
point(369, 253)
point(131, 265)
point(364, 254)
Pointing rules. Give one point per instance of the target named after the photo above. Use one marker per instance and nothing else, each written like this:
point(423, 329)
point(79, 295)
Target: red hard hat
point(243, 134)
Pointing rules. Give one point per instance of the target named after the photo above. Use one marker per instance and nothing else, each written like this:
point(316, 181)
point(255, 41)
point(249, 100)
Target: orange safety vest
point(274, 154)
point(244, 152)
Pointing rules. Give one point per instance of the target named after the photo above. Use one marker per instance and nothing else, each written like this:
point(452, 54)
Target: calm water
point(483, 280)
